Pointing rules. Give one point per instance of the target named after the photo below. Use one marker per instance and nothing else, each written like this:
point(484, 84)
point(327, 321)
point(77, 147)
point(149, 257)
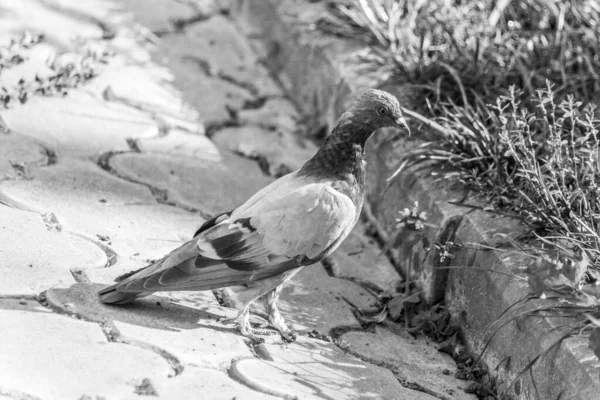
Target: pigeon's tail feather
point(110, 295)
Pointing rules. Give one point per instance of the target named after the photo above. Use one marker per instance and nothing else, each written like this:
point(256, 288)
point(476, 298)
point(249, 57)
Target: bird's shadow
point(170, 311)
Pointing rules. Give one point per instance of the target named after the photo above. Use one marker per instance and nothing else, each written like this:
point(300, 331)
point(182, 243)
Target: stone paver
point(314, 300)
point(164, 13)
point(79, 124)
point(20, 157)
point(312, 369)
point(282, 151)
point(275, 113)
point(148, 90)
point(413, 360)
point(183, 324)
point(38, 17)
point(90, 201)
point(227, 54)
point(194, 383)
point(190, 74)
point(79, 361)
point(359, 257)
point(181, 143)
point(40, 258)
point(197, 183)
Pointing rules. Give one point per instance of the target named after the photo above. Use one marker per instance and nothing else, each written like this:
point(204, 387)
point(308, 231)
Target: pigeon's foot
point(276, 319)
point(243, 324)
point(277, 322)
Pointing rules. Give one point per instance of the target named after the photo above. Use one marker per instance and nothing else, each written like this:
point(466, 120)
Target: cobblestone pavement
point(182, 121)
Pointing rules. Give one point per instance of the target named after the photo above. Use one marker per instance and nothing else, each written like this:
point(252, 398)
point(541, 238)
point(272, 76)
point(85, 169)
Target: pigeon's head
point(381, 109)
point(374, 109)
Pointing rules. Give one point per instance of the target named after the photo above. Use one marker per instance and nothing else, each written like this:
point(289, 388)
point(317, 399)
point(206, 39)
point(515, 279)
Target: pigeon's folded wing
point(305, 222)
point(275, 234)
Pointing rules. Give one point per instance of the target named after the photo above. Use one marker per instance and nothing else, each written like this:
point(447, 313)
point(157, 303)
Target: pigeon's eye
point(382, 111)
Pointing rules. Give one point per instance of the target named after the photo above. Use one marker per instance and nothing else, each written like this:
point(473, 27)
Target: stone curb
point(318, 74)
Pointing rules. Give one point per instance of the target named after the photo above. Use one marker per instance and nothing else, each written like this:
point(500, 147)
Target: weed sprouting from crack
point(145, 388)
point(69, 71)
point(51, 222)
point(51, 156)
point(13, 54)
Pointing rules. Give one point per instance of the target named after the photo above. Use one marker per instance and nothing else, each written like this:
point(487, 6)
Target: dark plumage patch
point(243, 265)
point(212, 222)
point(245, 223)
point(228, 245)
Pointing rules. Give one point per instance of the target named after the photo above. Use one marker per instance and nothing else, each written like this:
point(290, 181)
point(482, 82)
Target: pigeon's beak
point(401, 123)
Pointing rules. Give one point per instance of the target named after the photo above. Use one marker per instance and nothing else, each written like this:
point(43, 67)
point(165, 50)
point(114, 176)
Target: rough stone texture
point(358, 257)
point(20, 157)
point(314, 300)
point(148, 90)
point(304, 61)
point(194, 383)
point(41, 258)
point(184, 324)
point(190, 75)
point(80, 124)
point(312, 369)
point(73, 359)
point(198, 184)
point(88, 200)
point(281, 151)
point(180, 143)
point(227, 54)
point(413, 360)
point(477, 299)
point(158, 15)
point(275, 113)
point(37, 17)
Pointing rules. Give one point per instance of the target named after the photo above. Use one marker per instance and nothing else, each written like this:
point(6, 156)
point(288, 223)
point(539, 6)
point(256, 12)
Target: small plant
point(70, 71)
point(12, 54)
point(540, 165)
point(411, 218)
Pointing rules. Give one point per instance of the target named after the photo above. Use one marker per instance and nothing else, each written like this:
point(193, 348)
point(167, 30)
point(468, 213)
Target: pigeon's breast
point(352, 185)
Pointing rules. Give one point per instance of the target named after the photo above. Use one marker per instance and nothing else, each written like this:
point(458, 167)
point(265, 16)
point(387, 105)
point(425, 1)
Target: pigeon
point(295, 221)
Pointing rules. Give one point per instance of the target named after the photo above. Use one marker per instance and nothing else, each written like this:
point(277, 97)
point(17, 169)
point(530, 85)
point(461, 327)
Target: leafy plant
point(467, 52)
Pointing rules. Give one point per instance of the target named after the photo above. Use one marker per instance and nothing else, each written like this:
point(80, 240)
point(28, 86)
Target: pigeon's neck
point(338, 157)
point(341, 158)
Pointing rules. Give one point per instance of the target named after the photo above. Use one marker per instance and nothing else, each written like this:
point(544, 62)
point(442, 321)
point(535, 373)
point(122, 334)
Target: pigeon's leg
point(243, 324)
point(275, 317)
